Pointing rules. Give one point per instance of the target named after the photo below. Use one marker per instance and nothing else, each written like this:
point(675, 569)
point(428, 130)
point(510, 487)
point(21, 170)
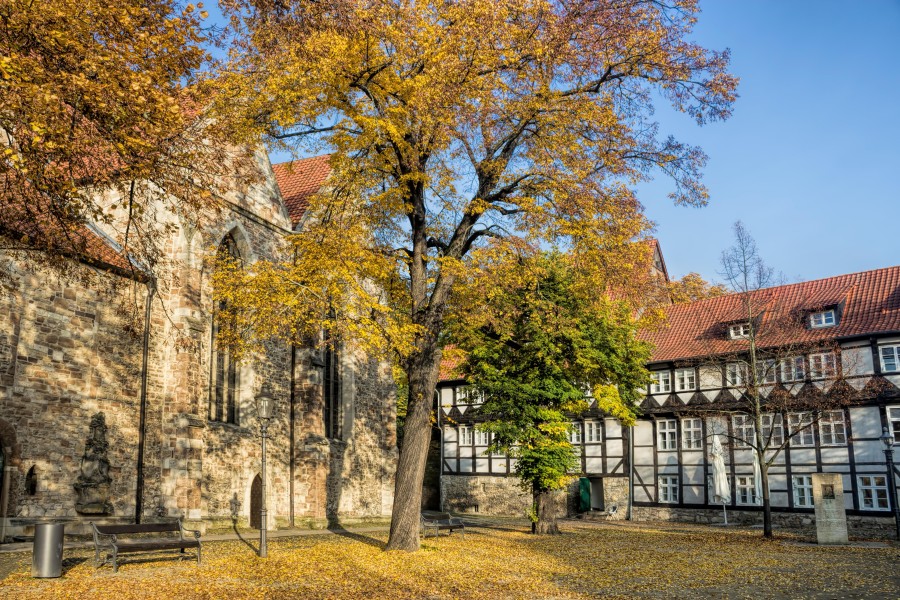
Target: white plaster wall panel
point(778, 498)
point(866, 422)
point(447, 397)
point(481, 465)
point(450, 449)
point(710, 377)
point(498, 466)
point(614, 448)
point(593, 450)
point(692, 458)
point(692, 475)
point(465, 465)
point(512, 465)
point(684, 396)
point(777, 481)
point(668, 458)
point(613, 428)
point(615, 465)
point(870, 451)
point(465, 451)
point(450, 435)
point(716, 426)
point(895, 379)
point(643, 433)
point(857, 361)
point(643, 455)
point(835, 454)
point(803, 456)
point(692, 494)
point(779, 460)
point(594, 465)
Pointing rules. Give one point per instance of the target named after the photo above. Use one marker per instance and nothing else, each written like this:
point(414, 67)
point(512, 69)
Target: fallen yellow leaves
point(608, 560)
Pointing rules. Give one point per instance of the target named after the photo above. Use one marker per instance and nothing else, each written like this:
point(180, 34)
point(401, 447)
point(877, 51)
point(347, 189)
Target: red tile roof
point(300, 179)
point(867, 303)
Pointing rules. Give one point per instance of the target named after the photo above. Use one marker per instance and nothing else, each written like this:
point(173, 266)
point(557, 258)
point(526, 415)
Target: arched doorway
point(255, 502)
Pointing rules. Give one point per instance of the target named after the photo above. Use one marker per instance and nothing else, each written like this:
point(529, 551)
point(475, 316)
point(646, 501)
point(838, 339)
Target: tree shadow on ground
point(338, 530)
point(244, 540)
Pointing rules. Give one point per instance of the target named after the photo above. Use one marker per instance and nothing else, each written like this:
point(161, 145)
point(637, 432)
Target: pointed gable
point(298, 180)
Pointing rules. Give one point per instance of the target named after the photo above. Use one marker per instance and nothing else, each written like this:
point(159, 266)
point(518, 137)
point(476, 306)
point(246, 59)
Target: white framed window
point(873, 493)
point(575, 433)
point(736, 373)
point(593, 432)
point(832, 430)
point(743, 430)
point(668, 489)
point(821, 365)
point(893, 415)
point(469, 395)
point(791, 369)
point(800, 426)
point(666, 434)
point(745, 490)
point(692, 434)
point(823, 318)
point(481, 437)
point(662, 384)
point(803, 491)
point(890, 358)
point(685, 380)
point(465, 435)
point(765, 371)
point(739, 331)
point(772, 430)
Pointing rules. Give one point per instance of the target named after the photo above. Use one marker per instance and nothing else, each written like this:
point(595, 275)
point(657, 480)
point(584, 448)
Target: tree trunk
point(546, 508)
point(766, 502)
point(422, 373)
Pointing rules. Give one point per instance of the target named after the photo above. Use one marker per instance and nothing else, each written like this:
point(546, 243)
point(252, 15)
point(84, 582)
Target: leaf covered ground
point(587, 561)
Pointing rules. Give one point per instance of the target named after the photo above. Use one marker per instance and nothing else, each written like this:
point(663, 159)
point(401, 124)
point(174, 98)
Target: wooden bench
point(437, 521)
point(106, 537)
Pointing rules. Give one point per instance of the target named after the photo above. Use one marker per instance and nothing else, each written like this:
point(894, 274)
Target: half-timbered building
point(837, 375)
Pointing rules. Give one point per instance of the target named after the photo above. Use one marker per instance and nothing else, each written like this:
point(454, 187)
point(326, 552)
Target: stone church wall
point(67, 352)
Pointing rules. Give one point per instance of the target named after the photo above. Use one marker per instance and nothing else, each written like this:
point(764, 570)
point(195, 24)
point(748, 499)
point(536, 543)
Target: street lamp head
point(265, 403)
point(887, 439)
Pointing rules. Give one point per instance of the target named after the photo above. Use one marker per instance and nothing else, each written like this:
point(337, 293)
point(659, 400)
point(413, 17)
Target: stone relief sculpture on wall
point(94, 481)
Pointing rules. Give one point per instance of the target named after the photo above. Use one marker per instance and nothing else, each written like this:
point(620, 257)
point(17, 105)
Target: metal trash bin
point(46, 556)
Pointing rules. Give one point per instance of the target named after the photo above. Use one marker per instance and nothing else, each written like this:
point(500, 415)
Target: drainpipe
point(292, 459)
point(437, 394)
point(4, 492)
point(142, 424)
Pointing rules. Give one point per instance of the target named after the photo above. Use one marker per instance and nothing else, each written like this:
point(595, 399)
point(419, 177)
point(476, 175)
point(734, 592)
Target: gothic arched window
point(223, 378)
point(331, 391)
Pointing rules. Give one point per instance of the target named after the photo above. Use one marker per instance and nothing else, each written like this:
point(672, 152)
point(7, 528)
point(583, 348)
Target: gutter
point(142, 424)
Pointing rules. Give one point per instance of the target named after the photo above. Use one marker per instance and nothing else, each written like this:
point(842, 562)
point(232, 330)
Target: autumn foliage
point(99, 121)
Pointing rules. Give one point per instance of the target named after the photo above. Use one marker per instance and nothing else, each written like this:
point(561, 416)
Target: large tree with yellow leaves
point(450, 123)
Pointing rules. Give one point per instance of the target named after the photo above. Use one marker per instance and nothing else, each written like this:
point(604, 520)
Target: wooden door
point(255, 502)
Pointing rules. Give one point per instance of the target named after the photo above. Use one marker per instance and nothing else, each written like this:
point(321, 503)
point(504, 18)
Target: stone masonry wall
point(484, 495)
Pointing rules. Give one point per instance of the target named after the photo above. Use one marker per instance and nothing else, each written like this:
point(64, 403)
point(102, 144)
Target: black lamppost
point(265, 408)
point(888, 440)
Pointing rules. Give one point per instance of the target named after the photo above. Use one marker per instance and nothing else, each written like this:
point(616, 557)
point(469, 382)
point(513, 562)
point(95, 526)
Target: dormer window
point(739, 331)
point(823, 318)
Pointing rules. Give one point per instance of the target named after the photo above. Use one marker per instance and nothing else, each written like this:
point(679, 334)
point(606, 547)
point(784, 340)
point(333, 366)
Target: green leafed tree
point(538, 348)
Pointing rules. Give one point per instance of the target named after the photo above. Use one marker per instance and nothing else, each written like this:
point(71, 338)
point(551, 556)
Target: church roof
point(865, 303)
point(300, 179)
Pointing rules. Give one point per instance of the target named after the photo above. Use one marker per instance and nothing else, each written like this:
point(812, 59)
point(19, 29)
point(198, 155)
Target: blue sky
point(810, 160)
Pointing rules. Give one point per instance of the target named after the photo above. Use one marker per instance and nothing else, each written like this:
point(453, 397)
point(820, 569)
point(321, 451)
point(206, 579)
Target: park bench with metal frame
point(107, 538)
point(437, 521)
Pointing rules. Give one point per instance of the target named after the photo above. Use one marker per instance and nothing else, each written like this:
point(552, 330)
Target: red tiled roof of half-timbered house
point(300, 179)
point(865, 303)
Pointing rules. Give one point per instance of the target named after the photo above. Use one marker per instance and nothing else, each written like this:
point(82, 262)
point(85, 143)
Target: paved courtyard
point(497, 561)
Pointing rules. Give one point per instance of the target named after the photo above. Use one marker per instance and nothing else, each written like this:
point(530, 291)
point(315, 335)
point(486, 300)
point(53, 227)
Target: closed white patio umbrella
point(757, 479)
point(721, 488)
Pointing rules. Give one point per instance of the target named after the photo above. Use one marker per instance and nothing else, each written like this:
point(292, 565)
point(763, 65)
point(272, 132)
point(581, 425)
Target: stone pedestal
point(831, 517)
